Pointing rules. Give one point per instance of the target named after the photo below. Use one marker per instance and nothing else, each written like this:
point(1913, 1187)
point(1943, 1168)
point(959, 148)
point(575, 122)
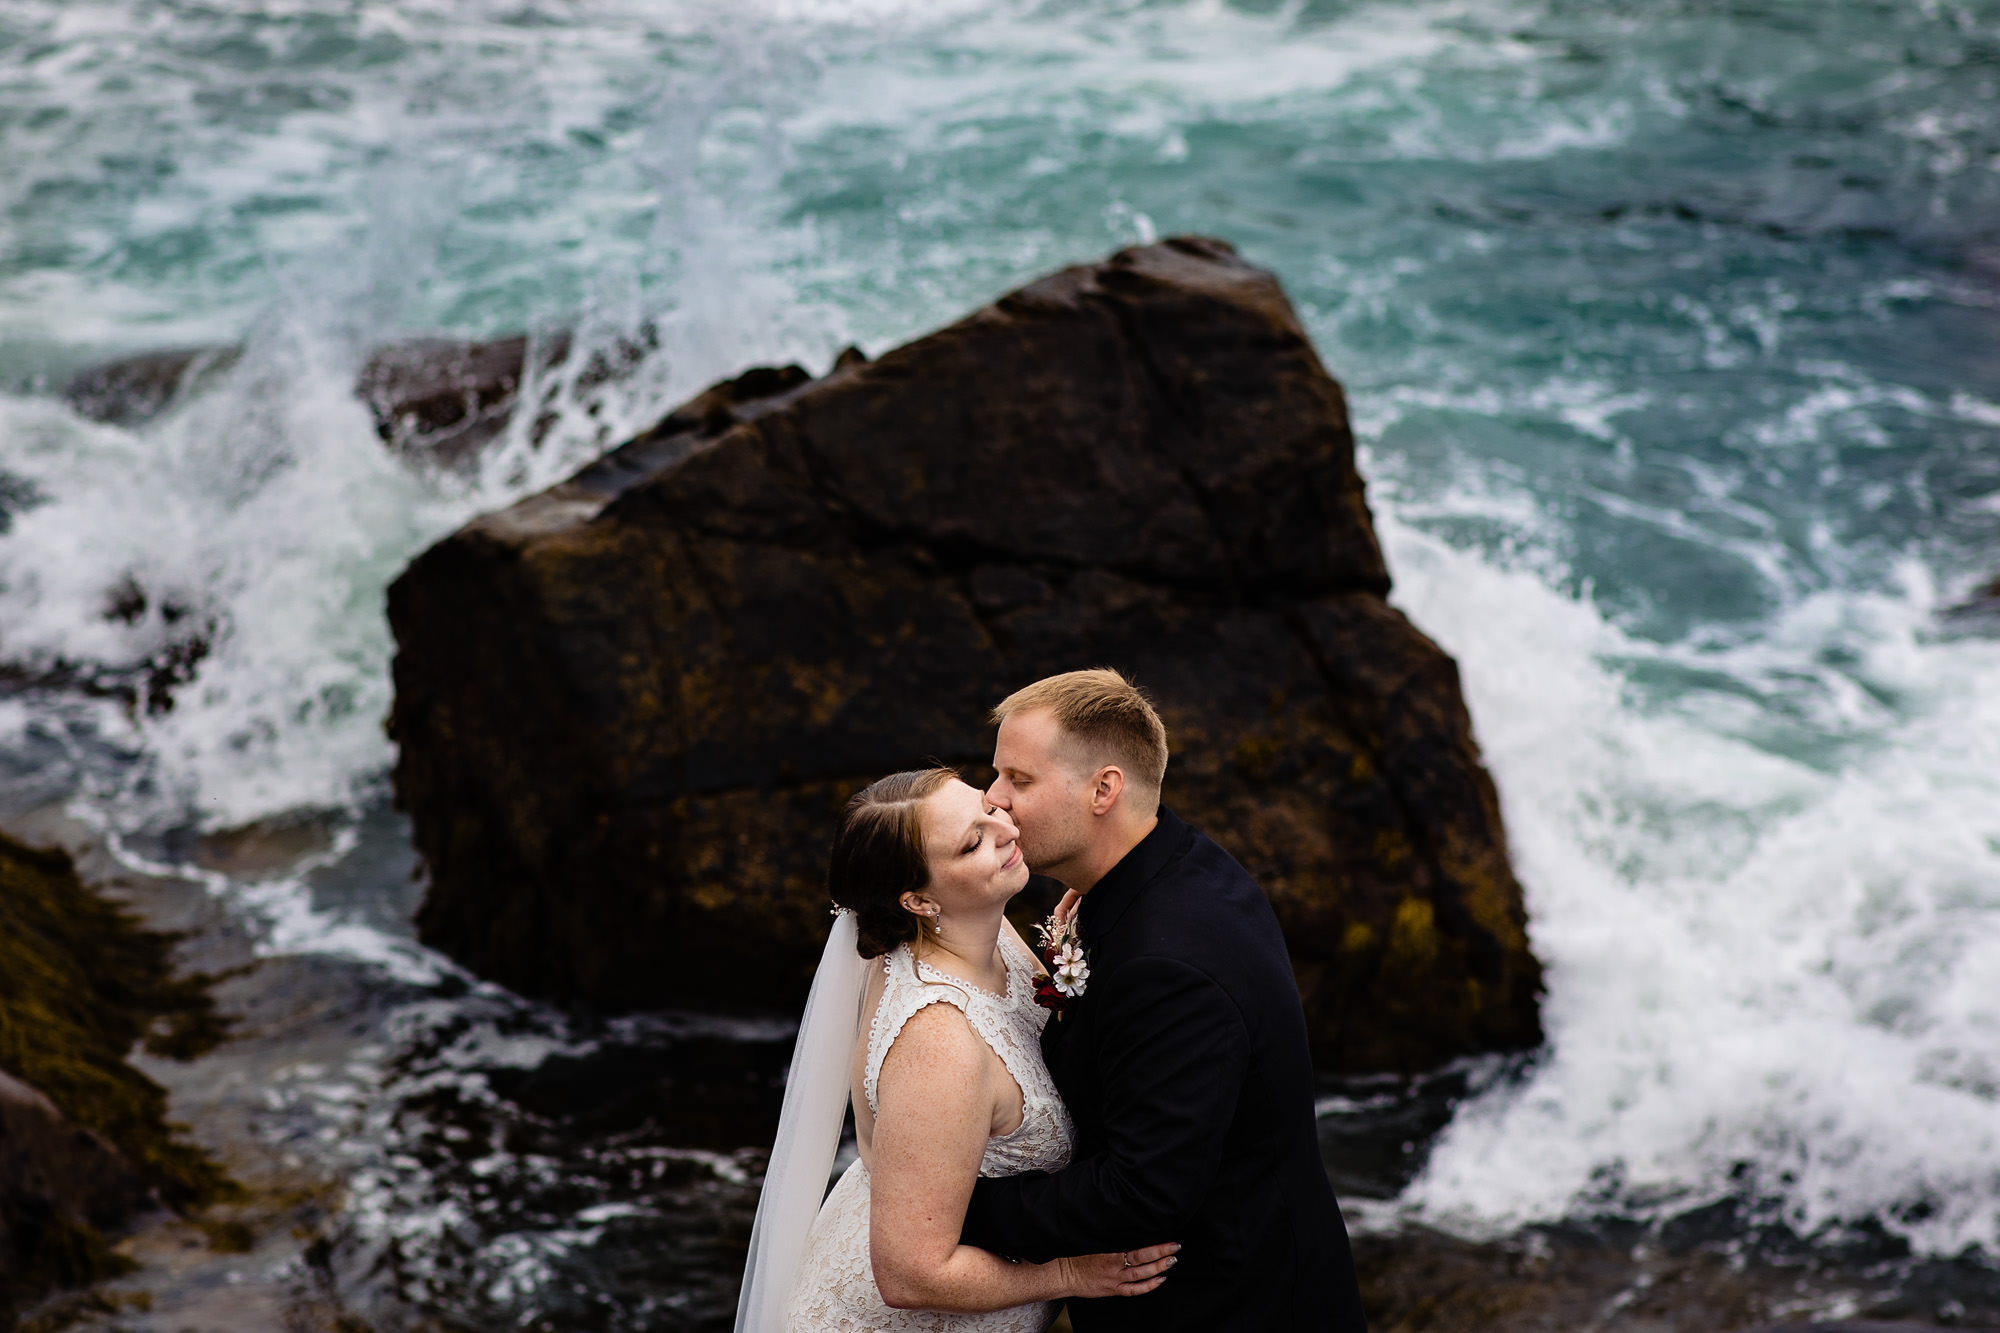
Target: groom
point(1184, 1061)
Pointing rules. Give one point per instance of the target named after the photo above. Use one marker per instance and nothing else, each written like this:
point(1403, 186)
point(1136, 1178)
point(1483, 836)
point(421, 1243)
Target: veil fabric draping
point(816, 1092)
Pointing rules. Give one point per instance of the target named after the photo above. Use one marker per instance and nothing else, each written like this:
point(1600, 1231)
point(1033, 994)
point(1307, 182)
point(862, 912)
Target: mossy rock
point(81, 984)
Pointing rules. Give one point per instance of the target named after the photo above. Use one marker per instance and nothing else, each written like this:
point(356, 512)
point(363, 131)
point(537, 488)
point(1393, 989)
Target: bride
point(948, 1086)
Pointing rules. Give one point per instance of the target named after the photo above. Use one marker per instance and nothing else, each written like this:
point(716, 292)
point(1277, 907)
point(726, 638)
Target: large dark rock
point(629, 708)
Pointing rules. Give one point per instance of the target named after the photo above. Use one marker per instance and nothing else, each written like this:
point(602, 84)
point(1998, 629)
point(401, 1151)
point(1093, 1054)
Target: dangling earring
point(936, 924)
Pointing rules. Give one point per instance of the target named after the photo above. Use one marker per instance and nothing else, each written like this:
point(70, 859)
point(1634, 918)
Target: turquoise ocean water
point(1672, 332)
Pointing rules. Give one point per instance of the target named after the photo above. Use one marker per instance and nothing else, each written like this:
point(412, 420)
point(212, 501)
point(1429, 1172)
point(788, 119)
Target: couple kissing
point(1123, 1123)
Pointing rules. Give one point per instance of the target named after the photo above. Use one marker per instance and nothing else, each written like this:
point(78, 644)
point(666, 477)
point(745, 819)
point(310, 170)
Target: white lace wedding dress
point(836, 1290)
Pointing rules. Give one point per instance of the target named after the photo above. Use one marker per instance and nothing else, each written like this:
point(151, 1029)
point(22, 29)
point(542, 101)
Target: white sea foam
point(1145, 71)
point(267, 520)
point(292, 925)
point(1764, 974)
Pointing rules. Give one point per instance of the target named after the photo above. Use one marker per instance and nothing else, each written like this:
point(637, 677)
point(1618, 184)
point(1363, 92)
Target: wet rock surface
point(1977, 614)
point(135, 388)
point(629, 707)
point(417, 1154)
point(442, 401)
point(1704, 1271)
point(433, 400)
point(85, 1141)
point(60, 1186)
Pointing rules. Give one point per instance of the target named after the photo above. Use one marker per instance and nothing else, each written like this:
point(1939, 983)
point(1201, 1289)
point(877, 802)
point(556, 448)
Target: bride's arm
point(937, 1093)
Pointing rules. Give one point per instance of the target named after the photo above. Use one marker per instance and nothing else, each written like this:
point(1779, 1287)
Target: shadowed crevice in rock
point(629, 708)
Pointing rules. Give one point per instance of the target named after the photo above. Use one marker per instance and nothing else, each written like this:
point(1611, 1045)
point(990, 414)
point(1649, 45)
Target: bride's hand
point(1133, 1273)
point(1067, 907)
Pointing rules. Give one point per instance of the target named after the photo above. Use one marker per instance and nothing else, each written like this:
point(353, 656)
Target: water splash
point(1771, 974)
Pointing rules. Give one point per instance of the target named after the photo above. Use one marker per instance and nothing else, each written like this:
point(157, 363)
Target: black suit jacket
point(1184, 1065)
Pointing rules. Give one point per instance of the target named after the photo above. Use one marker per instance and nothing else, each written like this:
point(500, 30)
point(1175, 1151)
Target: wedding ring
point(1127, 1258)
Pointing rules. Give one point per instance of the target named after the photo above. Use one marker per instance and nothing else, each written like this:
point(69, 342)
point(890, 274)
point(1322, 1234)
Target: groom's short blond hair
point(1103, 719)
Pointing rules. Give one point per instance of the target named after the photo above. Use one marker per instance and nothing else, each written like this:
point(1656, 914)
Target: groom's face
point(1037, 784)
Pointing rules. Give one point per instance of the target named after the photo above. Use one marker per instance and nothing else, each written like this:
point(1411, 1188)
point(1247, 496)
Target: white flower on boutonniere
point(1071, 972)
point(1068, 969)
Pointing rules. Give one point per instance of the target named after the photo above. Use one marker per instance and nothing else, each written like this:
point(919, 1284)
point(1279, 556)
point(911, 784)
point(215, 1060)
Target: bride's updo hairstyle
point(878, 856)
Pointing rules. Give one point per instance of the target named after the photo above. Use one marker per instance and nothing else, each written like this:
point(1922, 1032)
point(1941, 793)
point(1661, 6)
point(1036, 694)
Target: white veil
point(808, 1132)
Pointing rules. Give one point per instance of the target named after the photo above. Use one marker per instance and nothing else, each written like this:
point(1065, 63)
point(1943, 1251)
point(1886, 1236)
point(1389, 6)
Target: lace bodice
point(836, 1291)
point(1011, 1024)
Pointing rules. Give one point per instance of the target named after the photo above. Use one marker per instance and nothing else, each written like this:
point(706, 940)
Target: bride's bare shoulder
point(937, 1052)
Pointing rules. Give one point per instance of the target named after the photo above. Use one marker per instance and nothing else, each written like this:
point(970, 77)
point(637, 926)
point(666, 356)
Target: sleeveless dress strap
point(1009, 1024)
point(1012, 1024)
point(902, 997)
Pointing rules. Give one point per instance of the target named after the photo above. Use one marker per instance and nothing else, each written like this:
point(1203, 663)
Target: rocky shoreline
point(254, 1251)
point(86, 1142)
point(285, 1252)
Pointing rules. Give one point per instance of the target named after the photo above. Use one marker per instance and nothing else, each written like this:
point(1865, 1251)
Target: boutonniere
point(1068, 967)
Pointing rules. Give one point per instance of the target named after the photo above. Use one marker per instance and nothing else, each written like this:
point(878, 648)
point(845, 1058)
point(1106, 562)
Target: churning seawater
point(1672, 332)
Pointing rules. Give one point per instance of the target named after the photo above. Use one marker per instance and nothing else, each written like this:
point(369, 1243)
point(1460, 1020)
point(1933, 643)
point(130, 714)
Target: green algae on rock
point(84, 1136)
point(629, 708)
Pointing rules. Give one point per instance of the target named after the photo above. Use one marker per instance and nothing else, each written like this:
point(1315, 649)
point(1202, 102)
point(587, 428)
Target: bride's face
point(974, 850)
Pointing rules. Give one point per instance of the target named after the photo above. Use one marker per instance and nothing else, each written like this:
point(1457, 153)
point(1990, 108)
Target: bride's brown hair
point(878, 856)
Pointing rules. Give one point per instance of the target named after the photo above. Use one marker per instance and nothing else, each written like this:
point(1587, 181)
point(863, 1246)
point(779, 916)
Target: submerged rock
point(437, 401)
point(441, 401)
point(629, 708)
point(1977, 614)
point(84, 1138)
point(135, 388)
